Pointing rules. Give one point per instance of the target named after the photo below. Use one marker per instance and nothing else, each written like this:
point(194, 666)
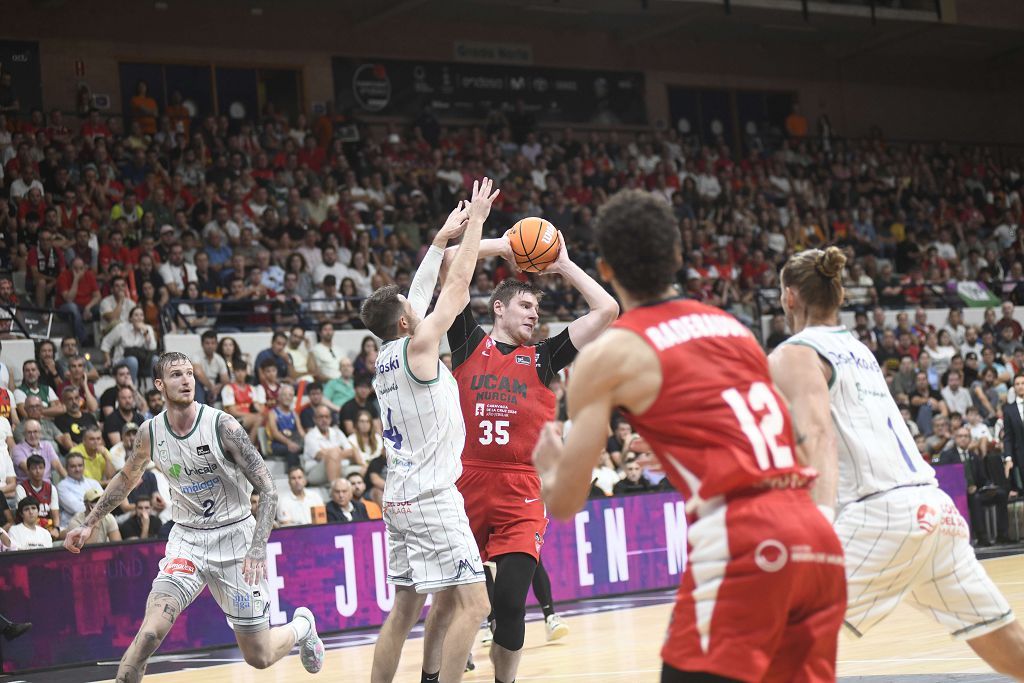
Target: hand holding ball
point(535, 244)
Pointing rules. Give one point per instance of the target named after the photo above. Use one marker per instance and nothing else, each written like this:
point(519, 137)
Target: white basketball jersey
point(424, 431)
point(876, 450)
point(207, 489)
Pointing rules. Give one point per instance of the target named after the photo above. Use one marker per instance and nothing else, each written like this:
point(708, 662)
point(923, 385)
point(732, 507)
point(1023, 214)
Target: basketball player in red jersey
point(503, 386)
point(764, 592)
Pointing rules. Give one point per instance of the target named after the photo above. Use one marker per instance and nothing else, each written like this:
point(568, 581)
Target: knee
point(257, 660)
point(149, 640)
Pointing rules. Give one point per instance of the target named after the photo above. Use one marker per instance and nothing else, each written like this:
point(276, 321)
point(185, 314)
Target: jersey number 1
point(764, 436)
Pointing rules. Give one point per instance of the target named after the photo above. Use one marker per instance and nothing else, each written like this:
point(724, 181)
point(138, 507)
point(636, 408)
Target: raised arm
point(423, 347)
point(603, 307)
point(116, 491)
point(421, 291)
point(498, 246)
point(803, 377)
point(238, 446)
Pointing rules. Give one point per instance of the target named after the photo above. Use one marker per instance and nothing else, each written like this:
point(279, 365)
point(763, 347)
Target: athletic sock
point(548, 610)
point(300, 627)
point(429, 678)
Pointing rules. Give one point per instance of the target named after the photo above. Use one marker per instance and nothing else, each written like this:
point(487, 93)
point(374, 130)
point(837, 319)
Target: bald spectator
point(342, 509)
point(72, 489)
point(35, 446)
point(326, 449)
point(79, 296)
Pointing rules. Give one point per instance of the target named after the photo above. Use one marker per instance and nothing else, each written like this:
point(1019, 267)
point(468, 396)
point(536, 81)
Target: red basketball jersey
point(717, 425)
point(504, 404)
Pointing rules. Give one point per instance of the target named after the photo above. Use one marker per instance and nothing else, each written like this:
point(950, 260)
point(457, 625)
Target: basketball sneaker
point(556, 628)
point(311, 651)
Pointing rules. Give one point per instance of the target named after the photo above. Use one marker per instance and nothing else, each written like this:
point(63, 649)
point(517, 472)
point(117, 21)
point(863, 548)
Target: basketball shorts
point(763, 594)
point(430, 546)
point(912, 544)
point(195, 558)
point(505, 510)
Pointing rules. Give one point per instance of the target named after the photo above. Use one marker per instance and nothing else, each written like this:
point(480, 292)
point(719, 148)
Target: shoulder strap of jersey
point(806, 340)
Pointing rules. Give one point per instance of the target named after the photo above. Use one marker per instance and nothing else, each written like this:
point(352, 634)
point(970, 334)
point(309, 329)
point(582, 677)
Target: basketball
point(535, 244)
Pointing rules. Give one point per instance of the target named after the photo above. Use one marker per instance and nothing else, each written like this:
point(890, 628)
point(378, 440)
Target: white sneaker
point(556, 628)
point(311, 650)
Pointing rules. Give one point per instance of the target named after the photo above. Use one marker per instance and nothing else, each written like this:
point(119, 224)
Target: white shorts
point(912, 543)
point(430, 545)
point(196, 558)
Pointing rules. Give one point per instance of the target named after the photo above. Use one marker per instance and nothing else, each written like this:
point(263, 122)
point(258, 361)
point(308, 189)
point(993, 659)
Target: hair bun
point(830, 263)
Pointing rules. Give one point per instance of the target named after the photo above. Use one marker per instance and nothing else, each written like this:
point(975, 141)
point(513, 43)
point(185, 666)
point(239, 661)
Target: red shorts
point(504, 508)
point(764, 593)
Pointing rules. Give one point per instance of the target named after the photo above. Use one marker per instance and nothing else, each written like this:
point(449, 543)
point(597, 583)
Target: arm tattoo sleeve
point(237, 442)
point(125, 480)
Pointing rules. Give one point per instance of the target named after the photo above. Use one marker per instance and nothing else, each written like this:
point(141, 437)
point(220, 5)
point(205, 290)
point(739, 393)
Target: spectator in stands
point(33, 445)
point(79, 296)
point(142, 524)
point(605, 476)
point(133, 343)
point(358, 491)
point(324, 356)
point(44, 263)
point(619, 442)
point(283, 427)
point(326, 450)
point(76, 377)
point(228, 349)
point(981, 435)
point(341, 389)
point(362, 400)
point(297, 503)
point(43, 492)
point(925, 403)
point(73, 488)
point(986, 395)
point(342, 509)
point(1008, 321)
point(366, 360)
point(28, 534)
point(104, 532)
point(30, 386)
point(73, 424)
point(302, 363)
point(955, 396)
point(366, 443)
point(177, 273)
point(634, 482)
point(127, 411)
point(268, 386)
point(277, 354)
point(154, 403)
point(242, 401)
point(98, 464)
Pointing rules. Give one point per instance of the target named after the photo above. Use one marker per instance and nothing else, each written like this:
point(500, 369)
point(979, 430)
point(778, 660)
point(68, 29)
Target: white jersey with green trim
point(424, 430)
point(207, 489)
point(876, 449)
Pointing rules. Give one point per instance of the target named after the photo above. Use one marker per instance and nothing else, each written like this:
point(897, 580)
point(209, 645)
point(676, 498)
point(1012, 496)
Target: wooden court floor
point(622, 646)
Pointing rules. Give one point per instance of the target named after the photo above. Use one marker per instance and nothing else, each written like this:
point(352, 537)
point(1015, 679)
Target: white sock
point(300, 627)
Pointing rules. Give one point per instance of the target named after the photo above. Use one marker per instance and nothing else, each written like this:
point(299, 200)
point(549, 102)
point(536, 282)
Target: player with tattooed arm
point(212, 467)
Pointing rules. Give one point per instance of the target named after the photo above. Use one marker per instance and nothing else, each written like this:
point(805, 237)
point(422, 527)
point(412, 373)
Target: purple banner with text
point(88, 607)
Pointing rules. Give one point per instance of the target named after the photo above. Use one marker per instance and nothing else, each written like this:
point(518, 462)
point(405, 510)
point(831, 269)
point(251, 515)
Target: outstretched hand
point(455, 224)
point(482, 198)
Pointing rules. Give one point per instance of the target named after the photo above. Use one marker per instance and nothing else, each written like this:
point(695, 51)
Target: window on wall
point(239, 93)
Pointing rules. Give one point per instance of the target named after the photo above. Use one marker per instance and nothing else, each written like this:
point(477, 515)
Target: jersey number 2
point(208, 507)
point(496, 432)
point(764, 436)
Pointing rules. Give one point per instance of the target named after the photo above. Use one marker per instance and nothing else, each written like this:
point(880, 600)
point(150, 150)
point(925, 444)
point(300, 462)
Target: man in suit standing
point(984, 485)
point(1013, 427)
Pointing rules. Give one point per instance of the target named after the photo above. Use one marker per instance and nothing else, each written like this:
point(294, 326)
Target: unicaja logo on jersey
point(176, 469)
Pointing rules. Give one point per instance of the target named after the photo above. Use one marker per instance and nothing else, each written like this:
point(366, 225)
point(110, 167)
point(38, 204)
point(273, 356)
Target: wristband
point(828, 512)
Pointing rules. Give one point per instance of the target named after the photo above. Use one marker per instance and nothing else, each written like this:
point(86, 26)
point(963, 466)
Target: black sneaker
point(13, 631)
point(469, 663)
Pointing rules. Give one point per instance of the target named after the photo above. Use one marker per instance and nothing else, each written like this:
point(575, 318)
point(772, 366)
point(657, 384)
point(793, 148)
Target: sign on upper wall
point(493, 53)
point(462, 90)
point(21, 60)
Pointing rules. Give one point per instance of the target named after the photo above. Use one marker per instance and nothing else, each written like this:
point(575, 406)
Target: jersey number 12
point(763, 436)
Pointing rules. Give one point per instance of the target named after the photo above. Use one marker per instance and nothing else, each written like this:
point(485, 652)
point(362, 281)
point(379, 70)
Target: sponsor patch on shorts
point(179, 565)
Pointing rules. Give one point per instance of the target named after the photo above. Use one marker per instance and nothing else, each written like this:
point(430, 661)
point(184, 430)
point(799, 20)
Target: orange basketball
point(535, 243)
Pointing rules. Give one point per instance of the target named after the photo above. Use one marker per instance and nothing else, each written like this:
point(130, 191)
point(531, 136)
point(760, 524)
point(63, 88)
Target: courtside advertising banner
point(88, 607)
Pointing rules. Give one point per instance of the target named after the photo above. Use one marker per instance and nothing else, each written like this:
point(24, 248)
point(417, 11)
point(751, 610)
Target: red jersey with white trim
point(504, 404)
point(718, 426)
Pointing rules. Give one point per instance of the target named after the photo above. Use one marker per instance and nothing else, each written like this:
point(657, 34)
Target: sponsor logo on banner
point(179, 565)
